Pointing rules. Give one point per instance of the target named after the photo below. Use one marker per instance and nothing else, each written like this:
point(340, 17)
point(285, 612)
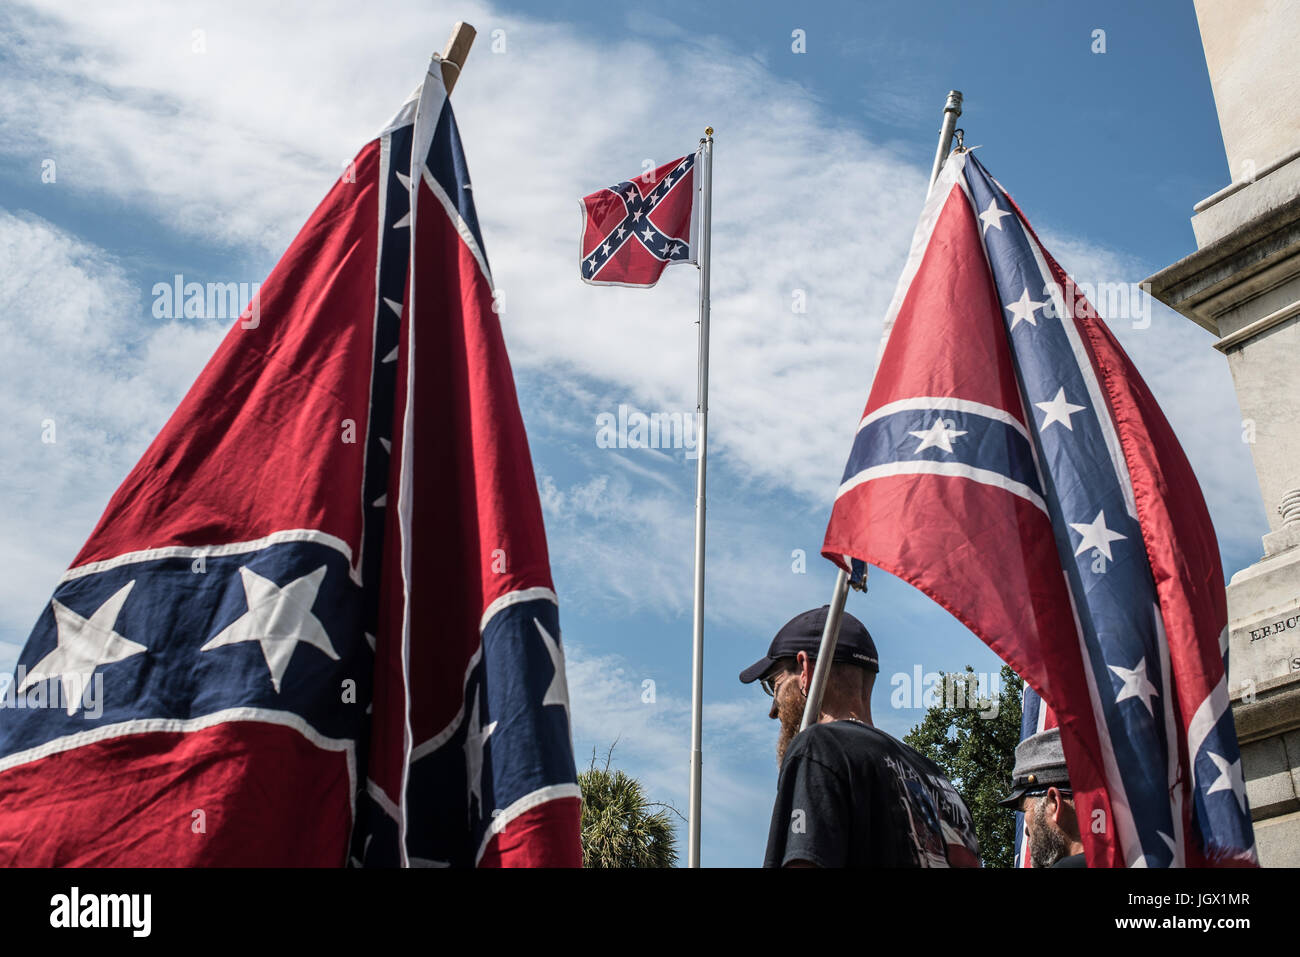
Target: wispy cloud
point(84, 386)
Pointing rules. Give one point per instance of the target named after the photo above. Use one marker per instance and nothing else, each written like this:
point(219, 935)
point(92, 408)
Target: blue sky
point(206, 163)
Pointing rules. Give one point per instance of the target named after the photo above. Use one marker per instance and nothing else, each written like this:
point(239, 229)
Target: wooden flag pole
point(831, 632)
point(455, 52)
point(428, 107)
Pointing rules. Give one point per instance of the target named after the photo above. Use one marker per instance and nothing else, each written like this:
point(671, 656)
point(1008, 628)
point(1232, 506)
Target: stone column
point(1243, 285)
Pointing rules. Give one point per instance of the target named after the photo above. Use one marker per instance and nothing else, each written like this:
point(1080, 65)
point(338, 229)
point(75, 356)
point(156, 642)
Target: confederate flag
point(634, 230)
point(316, 623)
point(1012, 464)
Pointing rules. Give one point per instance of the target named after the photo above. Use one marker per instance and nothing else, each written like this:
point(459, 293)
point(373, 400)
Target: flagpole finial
point(708, 131)
point(951, 110)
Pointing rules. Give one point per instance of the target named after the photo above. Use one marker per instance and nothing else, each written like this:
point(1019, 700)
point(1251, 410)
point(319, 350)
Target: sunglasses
point(769, 683)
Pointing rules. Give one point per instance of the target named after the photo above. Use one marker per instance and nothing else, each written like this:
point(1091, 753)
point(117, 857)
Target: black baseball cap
point(804, 633)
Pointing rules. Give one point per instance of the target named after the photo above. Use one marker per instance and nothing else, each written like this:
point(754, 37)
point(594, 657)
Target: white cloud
point(236, 143)
point(85, 387)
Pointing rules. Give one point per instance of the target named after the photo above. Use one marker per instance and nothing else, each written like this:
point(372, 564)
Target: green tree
point(976, 749)
point(620, 827)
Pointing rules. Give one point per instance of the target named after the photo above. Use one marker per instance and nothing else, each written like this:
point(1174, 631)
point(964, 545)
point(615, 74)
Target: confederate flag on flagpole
point(634, 230)
point(316, 623)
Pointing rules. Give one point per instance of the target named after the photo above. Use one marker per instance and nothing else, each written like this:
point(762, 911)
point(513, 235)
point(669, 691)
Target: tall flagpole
point(840, 593)
point(702, 422)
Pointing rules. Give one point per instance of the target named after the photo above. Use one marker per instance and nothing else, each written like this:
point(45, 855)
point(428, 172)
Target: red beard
point(789, 710)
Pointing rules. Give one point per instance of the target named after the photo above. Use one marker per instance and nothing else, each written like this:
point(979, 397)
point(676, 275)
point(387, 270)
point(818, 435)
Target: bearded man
point(850, 795)
point(1040, 787)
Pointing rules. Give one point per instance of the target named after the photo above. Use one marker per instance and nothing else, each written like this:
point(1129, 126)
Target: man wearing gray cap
point(850, 795)
point(1040, 787)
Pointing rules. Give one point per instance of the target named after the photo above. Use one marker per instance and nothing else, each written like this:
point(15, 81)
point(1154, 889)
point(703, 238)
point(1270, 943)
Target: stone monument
point(1243, 285)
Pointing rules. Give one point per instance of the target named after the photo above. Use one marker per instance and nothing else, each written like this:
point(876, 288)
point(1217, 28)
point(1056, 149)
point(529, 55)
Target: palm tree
point(620, 828)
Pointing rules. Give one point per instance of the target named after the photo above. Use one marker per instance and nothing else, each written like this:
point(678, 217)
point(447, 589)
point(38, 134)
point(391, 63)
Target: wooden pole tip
point(455, 52)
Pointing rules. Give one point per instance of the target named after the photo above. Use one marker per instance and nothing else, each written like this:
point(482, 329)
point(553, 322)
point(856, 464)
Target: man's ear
point(1056, 805)
point(804, 666)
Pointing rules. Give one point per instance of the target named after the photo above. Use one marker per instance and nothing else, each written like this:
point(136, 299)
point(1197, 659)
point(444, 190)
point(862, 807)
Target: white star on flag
point(993, 216)
point(649, 234)
point(1229, 779)
point(939, 435)
point(1136, 684)
point(1096, 535)
point(82, 645)
point(1022, 310)
point(557, 692)
point(1059, 410)
point(475, 738)
point(278, 619)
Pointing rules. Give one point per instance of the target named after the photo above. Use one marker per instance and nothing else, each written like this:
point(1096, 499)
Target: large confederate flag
point(1012, 464)
point(319, 611)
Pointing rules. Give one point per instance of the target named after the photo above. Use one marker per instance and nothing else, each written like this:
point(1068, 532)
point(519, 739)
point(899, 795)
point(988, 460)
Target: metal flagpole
point(702, 419)
point(951, 110)
point(831, 632)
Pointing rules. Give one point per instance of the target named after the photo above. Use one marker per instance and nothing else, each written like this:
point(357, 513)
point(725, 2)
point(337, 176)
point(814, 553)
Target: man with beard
point(1040, 787)
point(850, 795)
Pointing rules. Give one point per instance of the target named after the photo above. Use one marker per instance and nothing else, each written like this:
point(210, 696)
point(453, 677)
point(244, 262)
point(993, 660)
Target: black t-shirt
point(849, 795)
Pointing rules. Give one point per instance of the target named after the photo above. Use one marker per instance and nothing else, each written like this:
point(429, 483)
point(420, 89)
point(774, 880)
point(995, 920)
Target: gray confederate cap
point(1040, 764)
